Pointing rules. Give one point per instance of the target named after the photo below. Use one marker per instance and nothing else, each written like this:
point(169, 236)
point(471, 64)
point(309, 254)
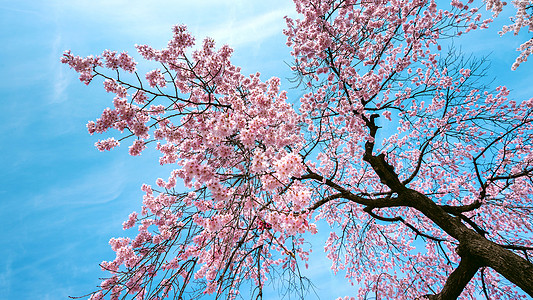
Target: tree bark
point(457, 281)
point(509, 264)
point(474, 246)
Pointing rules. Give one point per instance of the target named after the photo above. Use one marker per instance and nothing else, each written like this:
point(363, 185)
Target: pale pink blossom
point(137, 147)
point(156, 78)
point(132, 219)
point(123, 60)
point(106, 145)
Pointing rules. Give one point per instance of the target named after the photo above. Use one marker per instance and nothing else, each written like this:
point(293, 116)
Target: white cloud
point(96, 188)
point(253, 29)
point(236, 23)
point(60, 80)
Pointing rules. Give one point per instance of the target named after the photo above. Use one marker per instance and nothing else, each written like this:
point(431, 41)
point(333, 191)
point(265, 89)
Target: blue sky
point(60, 199)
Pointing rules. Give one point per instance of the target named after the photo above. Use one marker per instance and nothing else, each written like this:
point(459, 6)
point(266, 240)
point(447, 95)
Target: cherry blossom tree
point(423, 173)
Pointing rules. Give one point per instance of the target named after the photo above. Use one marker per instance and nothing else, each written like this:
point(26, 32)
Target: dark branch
point(456, 210)
point(369, 209)
point(458, 279)
point(345, 194)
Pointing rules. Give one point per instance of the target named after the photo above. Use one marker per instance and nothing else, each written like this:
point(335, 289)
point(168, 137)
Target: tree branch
point(369, 209)
point(456, 210)
point(346, 194)
point(458, 279)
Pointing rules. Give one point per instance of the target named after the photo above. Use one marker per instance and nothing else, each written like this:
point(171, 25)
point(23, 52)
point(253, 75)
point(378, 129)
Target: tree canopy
point(421, 169)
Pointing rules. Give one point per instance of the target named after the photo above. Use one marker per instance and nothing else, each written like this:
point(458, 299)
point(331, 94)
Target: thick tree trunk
point(512, 266)
point(474, 247)
point(457, 281)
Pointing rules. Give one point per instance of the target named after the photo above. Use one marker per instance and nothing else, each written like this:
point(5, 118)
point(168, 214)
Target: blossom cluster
point(258, 172)
point(113, 61)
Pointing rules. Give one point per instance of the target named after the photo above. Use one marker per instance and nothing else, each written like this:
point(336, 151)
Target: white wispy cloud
point(236, 23)
point(59, 81)
point(251, 30)
point(96, 188)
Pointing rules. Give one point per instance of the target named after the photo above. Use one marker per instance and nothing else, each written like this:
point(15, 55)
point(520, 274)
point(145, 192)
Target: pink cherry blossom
point(155, 78)
point(107, 144)
point(137, 147)
point(114, 61)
